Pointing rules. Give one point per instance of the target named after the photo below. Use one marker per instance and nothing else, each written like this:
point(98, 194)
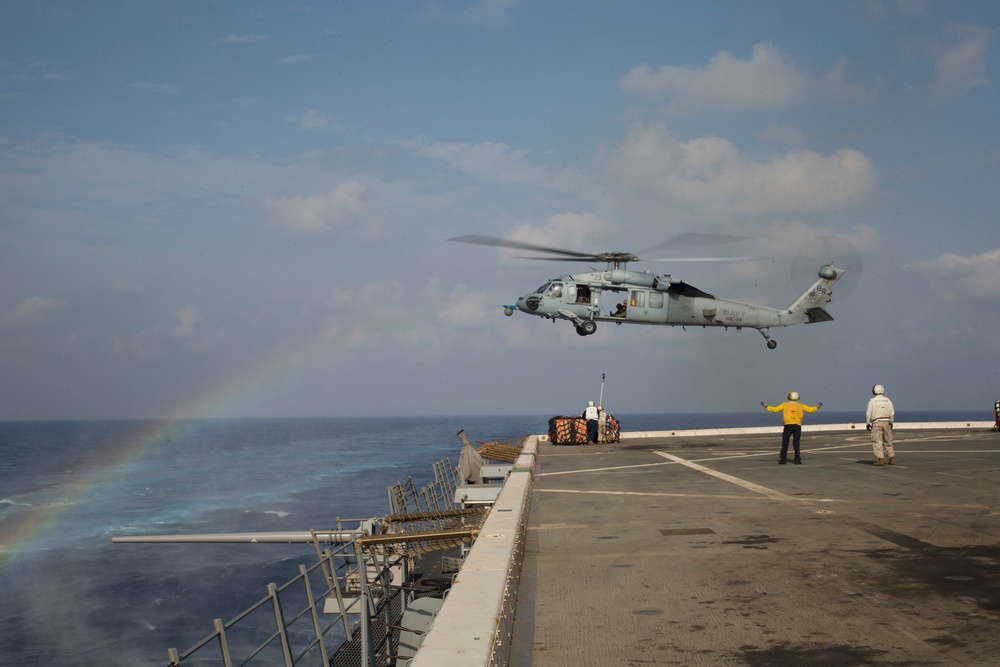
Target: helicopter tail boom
point(808, 308)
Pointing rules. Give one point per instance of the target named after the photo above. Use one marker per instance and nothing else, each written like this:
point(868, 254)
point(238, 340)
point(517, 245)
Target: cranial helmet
point(878, 390)
point(590, 404)
point(793, 395)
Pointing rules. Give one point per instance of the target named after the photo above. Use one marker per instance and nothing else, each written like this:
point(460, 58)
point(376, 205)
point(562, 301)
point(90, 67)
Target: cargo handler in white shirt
point(879, 418)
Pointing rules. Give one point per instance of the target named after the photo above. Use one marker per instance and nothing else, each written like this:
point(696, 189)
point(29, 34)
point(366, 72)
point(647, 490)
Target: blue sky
point(242, 208)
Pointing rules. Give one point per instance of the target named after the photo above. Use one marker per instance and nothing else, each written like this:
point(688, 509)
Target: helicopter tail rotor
point(824, 250)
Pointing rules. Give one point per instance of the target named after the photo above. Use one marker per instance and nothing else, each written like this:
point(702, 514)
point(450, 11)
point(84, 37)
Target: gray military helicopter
point(655, 299)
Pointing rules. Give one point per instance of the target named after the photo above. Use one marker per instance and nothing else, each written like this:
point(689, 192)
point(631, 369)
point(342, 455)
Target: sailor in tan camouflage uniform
point(879, 417)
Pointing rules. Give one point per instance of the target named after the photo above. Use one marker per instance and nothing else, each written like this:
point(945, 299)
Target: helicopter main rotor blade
point(696, 259)
point(643, 259)
point(613, 257)
point(695, 240)
point(519, 245)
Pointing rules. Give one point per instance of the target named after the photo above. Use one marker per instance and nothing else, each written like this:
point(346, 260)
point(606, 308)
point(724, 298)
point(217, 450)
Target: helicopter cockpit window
point(541, 290)
point(555, 290)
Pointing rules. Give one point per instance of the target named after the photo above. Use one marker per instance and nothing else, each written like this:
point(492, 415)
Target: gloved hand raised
point(819, 405)
point(763, 403)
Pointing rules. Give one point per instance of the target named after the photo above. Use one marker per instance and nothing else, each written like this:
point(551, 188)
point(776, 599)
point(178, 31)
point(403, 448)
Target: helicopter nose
point(529, 304)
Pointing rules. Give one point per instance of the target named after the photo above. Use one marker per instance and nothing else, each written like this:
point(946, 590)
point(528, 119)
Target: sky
point(242, 209)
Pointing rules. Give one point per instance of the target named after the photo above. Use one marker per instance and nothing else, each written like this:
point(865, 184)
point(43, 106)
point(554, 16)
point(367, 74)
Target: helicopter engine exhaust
point(621, 276)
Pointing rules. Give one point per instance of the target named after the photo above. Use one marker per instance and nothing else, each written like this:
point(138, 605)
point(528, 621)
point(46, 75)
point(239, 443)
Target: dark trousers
point(591, 430)
point(793, 431)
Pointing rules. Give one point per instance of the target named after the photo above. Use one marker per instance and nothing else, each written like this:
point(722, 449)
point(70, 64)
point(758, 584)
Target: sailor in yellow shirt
point(792, 410)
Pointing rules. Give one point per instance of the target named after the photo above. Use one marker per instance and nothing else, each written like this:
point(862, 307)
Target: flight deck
point(702, 550)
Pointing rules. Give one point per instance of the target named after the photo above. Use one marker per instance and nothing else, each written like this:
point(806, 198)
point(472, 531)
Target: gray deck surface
point(705, 551)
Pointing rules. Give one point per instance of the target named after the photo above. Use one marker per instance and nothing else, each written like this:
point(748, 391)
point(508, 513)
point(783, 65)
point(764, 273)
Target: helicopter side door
point(581, 300)
point(646, 306)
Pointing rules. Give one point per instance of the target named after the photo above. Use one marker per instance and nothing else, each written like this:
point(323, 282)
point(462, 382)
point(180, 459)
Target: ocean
point(69, 596)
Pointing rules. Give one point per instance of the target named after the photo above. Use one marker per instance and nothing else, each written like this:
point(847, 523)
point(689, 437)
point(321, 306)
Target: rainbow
point(23, 532)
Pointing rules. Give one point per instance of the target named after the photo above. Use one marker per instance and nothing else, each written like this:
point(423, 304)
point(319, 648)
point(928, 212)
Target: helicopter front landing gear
point(771, 343)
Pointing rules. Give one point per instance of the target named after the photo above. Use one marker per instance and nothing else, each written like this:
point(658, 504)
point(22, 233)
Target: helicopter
point(655, 299)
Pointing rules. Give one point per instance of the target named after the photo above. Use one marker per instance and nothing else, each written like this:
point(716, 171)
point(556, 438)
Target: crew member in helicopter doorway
point(792, 416)
point(591, 415)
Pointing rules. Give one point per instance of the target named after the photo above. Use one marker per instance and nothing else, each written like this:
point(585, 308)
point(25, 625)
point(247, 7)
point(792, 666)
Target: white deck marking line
point(640, 493)
point(747, 455)
point(811, 450)
point(741, 455)
point(750, 486)
point(899, 539)
point(573, 472)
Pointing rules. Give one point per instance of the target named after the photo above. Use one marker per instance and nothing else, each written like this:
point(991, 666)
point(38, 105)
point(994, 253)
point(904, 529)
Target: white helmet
point(793, 395)
point(878, 390)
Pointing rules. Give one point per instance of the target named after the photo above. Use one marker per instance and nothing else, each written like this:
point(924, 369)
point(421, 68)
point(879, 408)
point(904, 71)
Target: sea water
point(70, 596)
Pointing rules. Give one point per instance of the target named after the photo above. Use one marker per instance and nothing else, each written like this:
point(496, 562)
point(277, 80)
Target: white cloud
point(961, 65)
point(159, 88)
point(783, 134)
point(912, 9)
point(787, 239)
point(333, 210)
point(710, 173)
point(459, 305)
point(492, 14)
point(973, 276)
point(188, 318)
point(803, 247)
point(489, 161)
point(36, 307)
point(768, 80)
point(570, 231)
point(499, 163)
point(122, 285)
point(297, 58)
point(241, 39)
point(313, 120)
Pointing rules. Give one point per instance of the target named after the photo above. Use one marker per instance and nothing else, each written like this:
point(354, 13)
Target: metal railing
point(306, 619)
point(344, 609)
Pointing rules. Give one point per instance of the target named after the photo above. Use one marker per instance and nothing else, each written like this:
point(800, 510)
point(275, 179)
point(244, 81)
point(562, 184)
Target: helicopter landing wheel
point(587, 327)
point(771, 343)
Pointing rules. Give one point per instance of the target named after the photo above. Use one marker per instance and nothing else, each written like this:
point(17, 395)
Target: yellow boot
point(880, 462)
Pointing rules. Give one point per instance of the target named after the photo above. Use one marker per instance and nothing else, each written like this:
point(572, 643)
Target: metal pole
point(279, 621)
point(289, 537)
point(600, 401)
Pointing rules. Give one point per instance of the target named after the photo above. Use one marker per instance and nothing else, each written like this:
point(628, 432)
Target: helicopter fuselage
point(647, 298)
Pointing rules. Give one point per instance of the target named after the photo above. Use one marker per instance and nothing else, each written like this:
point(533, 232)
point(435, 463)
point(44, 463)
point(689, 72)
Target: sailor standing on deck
point(879, 417)
point(792, 418)
point(591, 415)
